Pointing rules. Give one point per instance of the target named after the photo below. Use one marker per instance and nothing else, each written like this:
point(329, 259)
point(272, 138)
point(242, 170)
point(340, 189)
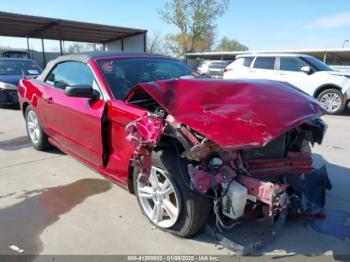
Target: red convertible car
point(186, 147)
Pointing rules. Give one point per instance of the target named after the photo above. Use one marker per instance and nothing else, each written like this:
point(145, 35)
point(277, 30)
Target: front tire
point(182, 211)
point(35, 133)
point(332, 100)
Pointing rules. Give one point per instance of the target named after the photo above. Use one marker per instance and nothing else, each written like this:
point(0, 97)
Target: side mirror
point(306, 70)
point(82, 91)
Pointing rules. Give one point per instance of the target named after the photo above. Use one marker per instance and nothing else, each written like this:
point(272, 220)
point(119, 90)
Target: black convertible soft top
point(84, 57)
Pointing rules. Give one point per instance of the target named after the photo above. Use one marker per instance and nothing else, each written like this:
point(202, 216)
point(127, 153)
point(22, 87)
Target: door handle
point(49, 100)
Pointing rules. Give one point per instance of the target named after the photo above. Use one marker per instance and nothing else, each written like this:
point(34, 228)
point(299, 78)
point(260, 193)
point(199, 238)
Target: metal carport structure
point(18, 25)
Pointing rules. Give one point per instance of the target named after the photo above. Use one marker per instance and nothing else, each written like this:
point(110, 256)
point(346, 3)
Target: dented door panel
point(120, 150)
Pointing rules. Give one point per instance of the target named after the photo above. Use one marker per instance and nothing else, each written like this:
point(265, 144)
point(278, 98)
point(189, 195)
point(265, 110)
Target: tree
point(83, 47)
point(156, 44)
point(226, 44)
point(195, 20)
point(160, 44)
point(76, 48)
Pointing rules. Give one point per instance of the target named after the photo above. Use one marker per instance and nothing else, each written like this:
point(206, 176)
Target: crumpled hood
point(234, 113)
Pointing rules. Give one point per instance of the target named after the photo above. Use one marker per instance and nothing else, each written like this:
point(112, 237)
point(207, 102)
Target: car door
point(74, 122)
point(263, 68)
point(289, 70)
point(240, 68)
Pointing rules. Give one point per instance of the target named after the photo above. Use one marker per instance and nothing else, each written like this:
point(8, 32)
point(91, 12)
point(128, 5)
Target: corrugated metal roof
point(19, 25)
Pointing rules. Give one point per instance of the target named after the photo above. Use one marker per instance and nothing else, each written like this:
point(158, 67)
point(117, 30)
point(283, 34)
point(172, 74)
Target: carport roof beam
point(19, 25)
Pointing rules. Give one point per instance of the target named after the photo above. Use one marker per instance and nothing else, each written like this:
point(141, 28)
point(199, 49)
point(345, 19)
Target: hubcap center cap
point(158, 196)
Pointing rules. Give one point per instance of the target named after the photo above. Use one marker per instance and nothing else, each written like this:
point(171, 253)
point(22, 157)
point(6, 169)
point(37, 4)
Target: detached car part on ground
point(187, 148)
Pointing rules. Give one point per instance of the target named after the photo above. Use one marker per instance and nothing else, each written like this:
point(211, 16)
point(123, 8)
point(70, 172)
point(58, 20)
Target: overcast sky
point(258, 24)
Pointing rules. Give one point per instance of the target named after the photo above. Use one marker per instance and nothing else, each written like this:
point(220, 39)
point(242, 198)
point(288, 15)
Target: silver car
point(212, 68)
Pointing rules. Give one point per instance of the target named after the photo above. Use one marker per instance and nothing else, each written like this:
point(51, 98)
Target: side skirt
point(119, 181)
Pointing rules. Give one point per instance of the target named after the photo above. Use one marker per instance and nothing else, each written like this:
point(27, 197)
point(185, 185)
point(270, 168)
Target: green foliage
point(227, 44)
point(195, 20)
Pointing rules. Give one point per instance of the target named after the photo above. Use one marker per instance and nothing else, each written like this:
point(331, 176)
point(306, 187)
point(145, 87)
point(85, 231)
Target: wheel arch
point(24, 107)
point(165, 141)
point(324, 87)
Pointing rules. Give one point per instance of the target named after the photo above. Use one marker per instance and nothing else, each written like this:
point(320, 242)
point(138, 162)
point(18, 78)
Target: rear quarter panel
point(33, 92)
point(29, 92)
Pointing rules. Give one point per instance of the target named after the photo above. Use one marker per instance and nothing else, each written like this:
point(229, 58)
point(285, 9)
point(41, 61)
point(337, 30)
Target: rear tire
point(332, 100)
point(194, 208)
point(35, 133)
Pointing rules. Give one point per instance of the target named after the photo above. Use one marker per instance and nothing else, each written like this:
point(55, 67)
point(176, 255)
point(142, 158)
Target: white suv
point(309, 74)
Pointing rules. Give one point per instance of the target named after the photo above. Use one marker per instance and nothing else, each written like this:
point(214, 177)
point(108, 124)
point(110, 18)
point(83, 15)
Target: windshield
point(317, 64)
point(219, 65)
point(12, 67)
point(123, 74)
point(203, 63)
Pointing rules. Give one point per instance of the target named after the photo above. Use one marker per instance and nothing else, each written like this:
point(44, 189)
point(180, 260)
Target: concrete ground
point(52, 204)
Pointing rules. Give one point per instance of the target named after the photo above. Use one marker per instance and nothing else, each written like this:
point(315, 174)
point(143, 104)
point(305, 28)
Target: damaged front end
point(145, 133)
point(262, 175)
point(264, 181)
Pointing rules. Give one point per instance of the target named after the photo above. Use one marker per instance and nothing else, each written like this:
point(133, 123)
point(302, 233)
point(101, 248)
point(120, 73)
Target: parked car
point(309, 74)
point(15, 54)
point(203, 67)
point(185, 147)
point(11, 71)
point(212, 68)
point(216, 68)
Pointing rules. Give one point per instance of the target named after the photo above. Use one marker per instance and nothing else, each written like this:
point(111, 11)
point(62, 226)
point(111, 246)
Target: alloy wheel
point(33, 127)
point(159, 198)
point(331, 102)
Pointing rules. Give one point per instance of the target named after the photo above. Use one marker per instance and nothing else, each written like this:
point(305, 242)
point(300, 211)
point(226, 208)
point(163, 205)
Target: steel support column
point(28, 48)
point(60, 38)
point(61, 48)
point(145, 41)
point(43, 50)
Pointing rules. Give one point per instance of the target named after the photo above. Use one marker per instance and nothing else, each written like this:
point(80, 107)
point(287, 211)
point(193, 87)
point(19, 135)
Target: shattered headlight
point(7, 86)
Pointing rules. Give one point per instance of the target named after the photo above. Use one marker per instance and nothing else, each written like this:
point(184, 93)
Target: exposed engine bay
point(242, 182)
point(266, 176)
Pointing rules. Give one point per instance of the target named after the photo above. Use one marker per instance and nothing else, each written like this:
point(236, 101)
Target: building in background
point(337, 58)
